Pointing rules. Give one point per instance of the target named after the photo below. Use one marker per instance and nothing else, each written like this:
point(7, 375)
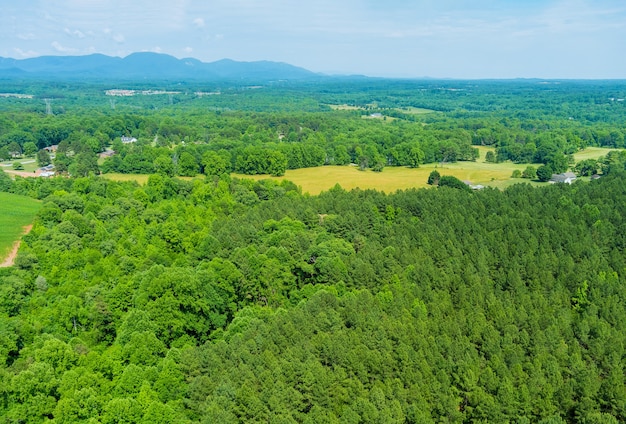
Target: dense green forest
point(224, 300)
point(217, 299)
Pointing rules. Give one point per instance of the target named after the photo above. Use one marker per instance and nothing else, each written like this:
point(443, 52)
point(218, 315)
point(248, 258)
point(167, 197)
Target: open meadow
point(318, 179)
point(140, 178)
point(16, 212)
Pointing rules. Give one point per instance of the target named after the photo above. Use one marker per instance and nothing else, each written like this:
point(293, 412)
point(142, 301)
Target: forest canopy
point(218, 299)
point(232, 300)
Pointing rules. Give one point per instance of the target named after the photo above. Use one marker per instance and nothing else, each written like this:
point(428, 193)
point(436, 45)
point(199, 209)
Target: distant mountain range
point(149, 66)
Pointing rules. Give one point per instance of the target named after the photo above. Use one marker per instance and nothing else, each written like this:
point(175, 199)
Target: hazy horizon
point(503, 39)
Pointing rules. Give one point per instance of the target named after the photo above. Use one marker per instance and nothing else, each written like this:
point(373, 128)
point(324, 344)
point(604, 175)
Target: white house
point(566, 178)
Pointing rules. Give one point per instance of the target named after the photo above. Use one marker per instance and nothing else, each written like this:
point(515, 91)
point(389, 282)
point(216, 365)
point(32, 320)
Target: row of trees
point(526, 122)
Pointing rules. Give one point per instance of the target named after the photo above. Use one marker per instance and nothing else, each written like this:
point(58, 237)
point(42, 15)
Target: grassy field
point(29, 164)
point(591, 153)
point(316, 180)
point(140, 178)
point(414, 110)
point(15, 213)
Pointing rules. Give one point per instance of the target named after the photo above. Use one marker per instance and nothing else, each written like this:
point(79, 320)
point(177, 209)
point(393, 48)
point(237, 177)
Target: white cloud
point(27, 37)
point(75, 33)
point(62, 49)
point(199, 22)
point(25, 54)
point(119, 38)
point(188, 50)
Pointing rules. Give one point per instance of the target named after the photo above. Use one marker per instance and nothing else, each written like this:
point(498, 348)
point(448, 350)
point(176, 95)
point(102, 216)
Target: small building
point(51, 149)
point(107, 153)
point(565, 178)
point(47, 174)
point(595, 177)
point(127, 140)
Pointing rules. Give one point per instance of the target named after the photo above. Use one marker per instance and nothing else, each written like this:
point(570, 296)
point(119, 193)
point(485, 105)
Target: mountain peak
point(143, 65)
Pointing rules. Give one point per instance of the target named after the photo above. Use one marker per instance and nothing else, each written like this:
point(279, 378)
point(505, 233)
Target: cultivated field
point(16, 212)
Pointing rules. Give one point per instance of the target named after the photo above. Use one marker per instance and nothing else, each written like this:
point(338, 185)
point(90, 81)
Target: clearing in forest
point(316, 180)
point(16, 216)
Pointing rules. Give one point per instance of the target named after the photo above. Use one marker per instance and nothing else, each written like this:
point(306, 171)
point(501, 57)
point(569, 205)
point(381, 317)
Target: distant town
point(130, 93)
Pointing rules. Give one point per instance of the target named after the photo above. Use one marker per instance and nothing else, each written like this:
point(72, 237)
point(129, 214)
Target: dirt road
point(9, 260)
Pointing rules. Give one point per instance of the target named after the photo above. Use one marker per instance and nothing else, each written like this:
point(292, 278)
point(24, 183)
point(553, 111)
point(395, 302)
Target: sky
point(579, 39)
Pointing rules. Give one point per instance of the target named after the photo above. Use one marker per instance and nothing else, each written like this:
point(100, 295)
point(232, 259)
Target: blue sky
point(392, 38)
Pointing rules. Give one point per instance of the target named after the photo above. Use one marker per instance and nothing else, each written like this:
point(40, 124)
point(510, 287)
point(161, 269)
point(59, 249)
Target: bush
point(454, 182)
point(530, 172)
point(544, 173)
point(433, 178)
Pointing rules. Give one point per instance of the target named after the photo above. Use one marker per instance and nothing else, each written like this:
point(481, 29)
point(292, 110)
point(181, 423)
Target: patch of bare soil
point(10, 258)
point(23, 173)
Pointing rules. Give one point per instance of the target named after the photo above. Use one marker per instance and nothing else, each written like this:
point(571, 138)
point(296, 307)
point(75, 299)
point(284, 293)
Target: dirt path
point(10, 259)
point(23, 173)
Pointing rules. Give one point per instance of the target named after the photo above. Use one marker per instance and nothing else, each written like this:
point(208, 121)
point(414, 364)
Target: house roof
point(564, 177)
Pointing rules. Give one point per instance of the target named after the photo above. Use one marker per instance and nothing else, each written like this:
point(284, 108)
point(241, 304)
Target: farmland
point(318, 179)
point(16, 212)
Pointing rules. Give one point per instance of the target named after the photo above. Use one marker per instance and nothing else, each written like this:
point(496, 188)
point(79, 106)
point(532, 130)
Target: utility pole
point(48, 106)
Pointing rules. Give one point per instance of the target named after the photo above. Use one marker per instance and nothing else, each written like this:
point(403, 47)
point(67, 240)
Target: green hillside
point(238, 301)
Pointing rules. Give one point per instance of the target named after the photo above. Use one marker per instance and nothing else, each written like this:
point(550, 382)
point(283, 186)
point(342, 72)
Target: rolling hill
point(148, 66)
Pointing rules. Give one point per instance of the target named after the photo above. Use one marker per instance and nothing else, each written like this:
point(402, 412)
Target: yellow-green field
point(414, 110)
point(316, 180)
point(16, 212)
point(591, 153)
point(140, 178)
point(345, 107)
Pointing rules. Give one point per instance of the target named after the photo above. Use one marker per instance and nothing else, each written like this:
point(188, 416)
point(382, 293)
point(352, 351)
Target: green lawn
point(591, 153)
point(15, 213)
point(29, 164)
